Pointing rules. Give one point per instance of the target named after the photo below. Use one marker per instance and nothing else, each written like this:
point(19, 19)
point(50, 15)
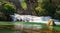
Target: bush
point(8, 9)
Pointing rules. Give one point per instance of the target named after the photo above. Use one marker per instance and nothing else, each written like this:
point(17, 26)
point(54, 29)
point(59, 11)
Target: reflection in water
point(35, 29)
point(51, 28)
point(19, 32)
point(38, 29)
point(10, 31)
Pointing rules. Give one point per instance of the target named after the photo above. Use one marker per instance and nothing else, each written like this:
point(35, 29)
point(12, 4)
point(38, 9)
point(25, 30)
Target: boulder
point(50, 23)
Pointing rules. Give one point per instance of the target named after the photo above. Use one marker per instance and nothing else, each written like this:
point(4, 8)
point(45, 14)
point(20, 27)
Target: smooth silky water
point(29, 28)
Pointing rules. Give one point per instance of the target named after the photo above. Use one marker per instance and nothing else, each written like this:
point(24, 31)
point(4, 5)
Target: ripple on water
point(29, 26)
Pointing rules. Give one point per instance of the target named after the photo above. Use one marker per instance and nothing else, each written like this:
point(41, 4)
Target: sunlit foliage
point(23, 4)
point(8, 8)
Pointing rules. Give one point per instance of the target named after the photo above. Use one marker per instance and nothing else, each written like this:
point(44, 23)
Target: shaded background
point(33, 7)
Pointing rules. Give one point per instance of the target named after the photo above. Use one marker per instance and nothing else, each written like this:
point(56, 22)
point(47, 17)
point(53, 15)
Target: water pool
point(29, 28)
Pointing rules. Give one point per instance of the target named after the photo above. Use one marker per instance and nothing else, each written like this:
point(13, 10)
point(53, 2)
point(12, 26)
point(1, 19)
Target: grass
point(11, 23)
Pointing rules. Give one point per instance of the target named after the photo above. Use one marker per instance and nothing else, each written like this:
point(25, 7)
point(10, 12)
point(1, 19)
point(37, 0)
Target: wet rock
point(50, 23)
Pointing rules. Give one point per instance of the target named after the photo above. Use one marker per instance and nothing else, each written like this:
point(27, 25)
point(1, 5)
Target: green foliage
point(0, 3)
point(23, 4)
point(45, 8)
point(8, 8)
point(3, 1)
point(41, 11)
point(57, 15)
point(39, 1)
point(51, 9)
point(58, 8)
point(40, 7)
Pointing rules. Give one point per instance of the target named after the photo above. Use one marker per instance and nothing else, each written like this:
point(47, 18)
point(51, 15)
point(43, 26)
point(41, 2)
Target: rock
point(50, 23)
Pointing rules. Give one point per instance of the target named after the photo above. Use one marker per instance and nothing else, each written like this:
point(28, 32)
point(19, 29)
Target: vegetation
point(8, 9)
point(11, 25)
point(32, 7)
point(23, 4)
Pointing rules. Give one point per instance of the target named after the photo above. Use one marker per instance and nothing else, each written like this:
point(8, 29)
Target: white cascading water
point(30, 18)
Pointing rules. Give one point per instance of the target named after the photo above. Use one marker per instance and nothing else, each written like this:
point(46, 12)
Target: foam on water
point(29, 18)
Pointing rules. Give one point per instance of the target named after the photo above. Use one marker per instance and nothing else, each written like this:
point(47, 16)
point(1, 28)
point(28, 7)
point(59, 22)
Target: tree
point(40, 10)
point(50, 7)
point(8, 9)
point(57, 15)
point(23, 4)
point(31, 4)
